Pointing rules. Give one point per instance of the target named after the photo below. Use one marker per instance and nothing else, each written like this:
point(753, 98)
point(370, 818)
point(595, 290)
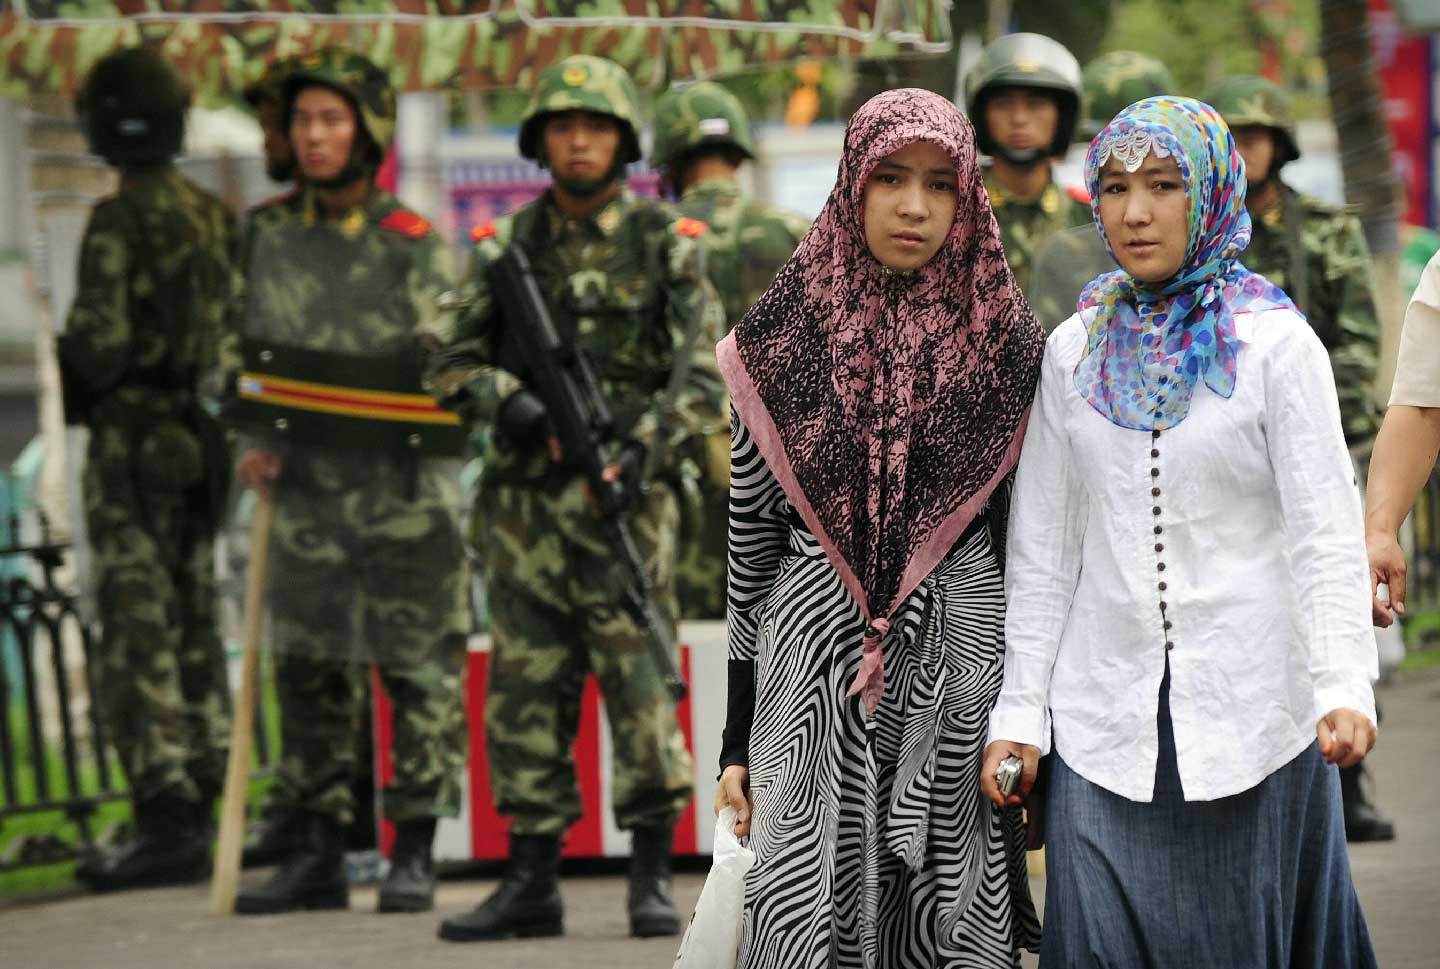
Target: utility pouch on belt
point(371, 403)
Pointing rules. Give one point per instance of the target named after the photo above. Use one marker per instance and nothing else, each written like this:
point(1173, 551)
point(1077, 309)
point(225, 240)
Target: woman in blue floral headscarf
point(1187, 600)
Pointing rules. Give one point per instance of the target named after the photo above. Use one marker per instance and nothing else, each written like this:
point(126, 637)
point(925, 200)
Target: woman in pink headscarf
point(881, 388)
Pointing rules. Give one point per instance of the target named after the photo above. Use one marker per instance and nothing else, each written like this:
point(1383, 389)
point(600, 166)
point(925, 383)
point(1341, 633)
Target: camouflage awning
point(48, 45)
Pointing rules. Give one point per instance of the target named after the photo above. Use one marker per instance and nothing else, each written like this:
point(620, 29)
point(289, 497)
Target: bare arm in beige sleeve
point(1406, 447)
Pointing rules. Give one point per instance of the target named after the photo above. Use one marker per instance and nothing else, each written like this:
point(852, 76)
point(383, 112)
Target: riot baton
point(226, 879)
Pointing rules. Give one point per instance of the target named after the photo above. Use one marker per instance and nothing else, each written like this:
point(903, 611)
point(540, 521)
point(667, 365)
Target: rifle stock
point(562, 377)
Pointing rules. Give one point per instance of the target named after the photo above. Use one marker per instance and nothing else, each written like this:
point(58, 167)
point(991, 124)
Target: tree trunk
point(1371, 185)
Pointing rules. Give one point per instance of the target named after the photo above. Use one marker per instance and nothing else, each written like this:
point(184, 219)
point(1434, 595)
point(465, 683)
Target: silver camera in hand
point(1007, 775)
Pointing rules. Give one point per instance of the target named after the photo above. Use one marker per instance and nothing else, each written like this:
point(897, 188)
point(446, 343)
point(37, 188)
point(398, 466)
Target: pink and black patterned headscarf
point(889, 406)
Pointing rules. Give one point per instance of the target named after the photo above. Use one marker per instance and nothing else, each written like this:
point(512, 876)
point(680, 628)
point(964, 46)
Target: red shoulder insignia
point(1078, 194)
point(479, 233)
point(693, 228)
point(406, 223)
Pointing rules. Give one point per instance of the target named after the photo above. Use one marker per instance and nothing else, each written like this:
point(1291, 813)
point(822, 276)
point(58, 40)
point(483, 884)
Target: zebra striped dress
point(874, 846)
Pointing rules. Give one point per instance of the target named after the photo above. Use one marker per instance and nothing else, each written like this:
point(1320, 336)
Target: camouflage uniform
point(1025, 225)
point(365, 551)
point(1036, 62)
point(626, 284)
point(153, 283)
point(153, 278)
point(382, 527)
point(1065, 261)
point(1315, 252)
point(747, 243)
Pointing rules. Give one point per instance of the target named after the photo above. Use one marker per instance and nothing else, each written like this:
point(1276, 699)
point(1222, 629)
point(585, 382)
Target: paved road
point(1399, 886)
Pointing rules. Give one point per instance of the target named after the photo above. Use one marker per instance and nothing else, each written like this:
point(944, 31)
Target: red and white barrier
point(481, 834)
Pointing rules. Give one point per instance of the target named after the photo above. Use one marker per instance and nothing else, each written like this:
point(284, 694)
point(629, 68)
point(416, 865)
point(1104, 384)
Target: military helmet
point(132, 108)
point(1245, 99)
point(1030, 61)
point(270, 85)
point(583, 83)
point(356, 78)
point(699, 114)
point(1116, 80)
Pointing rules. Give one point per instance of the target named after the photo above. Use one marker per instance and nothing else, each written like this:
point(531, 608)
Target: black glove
point(632, 465)
point(523, 419)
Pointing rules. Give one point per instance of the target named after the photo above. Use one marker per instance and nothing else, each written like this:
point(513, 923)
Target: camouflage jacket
point(1024, 225)
point(154, 283)
point(366, 284)
point(626, 285)
point(1337, 295)
point(747, 243)
point(1064, 264)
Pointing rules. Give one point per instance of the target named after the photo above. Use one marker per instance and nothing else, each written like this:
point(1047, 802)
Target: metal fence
point(54, 756)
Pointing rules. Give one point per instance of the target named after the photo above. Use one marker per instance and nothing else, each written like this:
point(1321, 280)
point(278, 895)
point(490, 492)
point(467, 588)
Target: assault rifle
point(561, 376)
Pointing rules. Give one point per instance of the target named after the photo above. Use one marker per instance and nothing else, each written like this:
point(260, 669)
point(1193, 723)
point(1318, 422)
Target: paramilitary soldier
point(269, 838)
point(153, 284)
point(623, 279)
point(1023, 96)
point(1066, 261)
point(1317, 254)
point(702, 137)
point(340, 301)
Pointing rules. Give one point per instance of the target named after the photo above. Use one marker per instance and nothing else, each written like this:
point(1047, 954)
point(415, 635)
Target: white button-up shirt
point(1231, 545)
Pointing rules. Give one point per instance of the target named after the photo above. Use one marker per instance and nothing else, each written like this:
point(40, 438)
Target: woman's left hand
point(1346, 736)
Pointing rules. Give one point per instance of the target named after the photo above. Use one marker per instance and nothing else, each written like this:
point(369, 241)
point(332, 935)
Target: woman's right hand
point(734, 792)
point(258, 469)
point(997, 752)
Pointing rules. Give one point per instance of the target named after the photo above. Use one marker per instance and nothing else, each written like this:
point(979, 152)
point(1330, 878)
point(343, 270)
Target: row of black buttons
point(1159, 545)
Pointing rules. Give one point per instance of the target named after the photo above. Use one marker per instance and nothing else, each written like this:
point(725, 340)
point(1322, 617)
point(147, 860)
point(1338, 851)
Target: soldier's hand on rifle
point(523, 418)
point(259, 469)
point(627, 470)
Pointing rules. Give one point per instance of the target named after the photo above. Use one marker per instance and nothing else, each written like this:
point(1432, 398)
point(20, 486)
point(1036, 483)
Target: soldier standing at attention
point(702, 137)
point(366, 549)
point(1315, 252)
point(623, 279)
point(153, 285)
point(1023, 97)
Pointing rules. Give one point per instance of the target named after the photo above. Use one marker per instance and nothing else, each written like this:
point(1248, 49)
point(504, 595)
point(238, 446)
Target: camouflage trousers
point(362, 575)
point(160, 666)
point(552, 584)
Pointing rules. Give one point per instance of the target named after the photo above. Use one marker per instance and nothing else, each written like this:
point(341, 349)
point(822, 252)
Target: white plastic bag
point(713, 939)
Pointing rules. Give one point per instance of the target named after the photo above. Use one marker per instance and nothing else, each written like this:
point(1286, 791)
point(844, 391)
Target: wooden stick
point(226, 880)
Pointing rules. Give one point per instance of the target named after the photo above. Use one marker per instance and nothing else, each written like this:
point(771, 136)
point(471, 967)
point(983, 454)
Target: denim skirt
point(1258, 879)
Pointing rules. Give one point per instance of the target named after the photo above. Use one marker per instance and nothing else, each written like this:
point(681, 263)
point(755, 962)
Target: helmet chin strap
point(1024, 157)
point(587, 187)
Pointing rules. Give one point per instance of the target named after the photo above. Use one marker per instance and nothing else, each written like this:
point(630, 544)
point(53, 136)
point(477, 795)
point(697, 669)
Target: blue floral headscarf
point(1149, 345)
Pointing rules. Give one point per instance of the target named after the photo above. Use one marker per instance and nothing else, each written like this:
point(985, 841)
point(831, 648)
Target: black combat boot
point(410, 886)
point(312, 877)
point(527, 903)
point(652, 912)
point(168, 849)
point(1363, 821)
point(271, 838)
